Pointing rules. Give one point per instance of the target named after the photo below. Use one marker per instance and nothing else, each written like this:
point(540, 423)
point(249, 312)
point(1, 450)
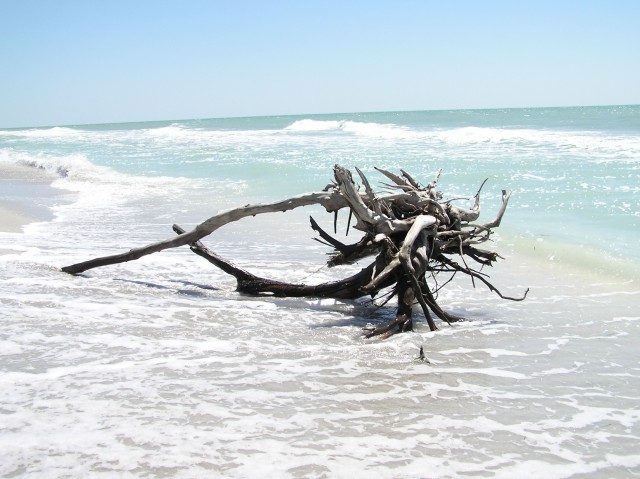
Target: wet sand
point(11, 218)
point(25, 197)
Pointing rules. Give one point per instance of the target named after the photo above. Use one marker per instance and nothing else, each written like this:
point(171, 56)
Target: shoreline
point(12, 217)
point(12, 221)
point(26, 196)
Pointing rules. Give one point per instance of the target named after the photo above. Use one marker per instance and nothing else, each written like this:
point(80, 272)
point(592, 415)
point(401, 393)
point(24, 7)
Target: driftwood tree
point(411, 232)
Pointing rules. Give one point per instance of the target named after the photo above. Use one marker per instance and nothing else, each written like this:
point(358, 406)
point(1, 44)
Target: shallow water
point(157, 368)
point(148, 375)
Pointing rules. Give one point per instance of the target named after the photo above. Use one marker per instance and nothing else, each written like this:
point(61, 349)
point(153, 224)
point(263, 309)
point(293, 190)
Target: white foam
point(364, 129)
point(57, 132)
point(496, 372)
point(603, 147)
point(9, 347)
point(494, 353)
point(315, 125)
point(377, 130)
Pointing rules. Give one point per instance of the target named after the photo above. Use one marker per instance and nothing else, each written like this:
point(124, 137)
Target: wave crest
point(379, 130)
point(57, 132)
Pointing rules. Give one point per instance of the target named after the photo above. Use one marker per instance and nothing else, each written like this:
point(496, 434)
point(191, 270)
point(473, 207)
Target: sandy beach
point(12, 219)
point(25, 197)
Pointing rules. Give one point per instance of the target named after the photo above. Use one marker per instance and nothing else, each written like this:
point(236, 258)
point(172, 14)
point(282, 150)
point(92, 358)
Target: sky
point(72, 62)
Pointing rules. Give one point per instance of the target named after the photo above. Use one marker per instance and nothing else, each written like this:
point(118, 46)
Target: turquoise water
point(574, 172)
point(158, 368)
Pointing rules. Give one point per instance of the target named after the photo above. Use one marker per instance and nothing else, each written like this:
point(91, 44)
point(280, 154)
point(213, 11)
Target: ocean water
point(158, 368)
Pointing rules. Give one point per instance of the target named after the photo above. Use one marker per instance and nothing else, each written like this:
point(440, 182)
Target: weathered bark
point(411, 232)
point(349, 288)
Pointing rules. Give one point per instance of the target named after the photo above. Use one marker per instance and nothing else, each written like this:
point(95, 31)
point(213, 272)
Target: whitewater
point(158, 368)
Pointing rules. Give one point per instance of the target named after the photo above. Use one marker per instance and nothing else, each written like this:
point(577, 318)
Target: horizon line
point(240, 117)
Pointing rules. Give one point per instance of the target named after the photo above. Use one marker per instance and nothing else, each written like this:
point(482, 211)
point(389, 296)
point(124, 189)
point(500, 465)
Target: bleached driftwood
point(411, 232)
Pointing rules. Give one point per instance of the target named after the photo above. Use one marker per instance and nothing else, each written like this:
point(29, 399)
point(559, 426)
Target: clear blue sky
point(74, 62)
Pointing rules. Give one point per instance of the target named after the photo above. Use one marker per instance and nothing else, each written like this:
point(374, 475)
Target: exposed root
point(411, 233)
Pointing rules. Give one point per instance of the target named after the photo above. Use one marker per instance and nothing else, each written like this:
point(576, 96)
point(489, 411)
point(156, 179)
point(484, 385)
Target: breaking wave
point(597, 142)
